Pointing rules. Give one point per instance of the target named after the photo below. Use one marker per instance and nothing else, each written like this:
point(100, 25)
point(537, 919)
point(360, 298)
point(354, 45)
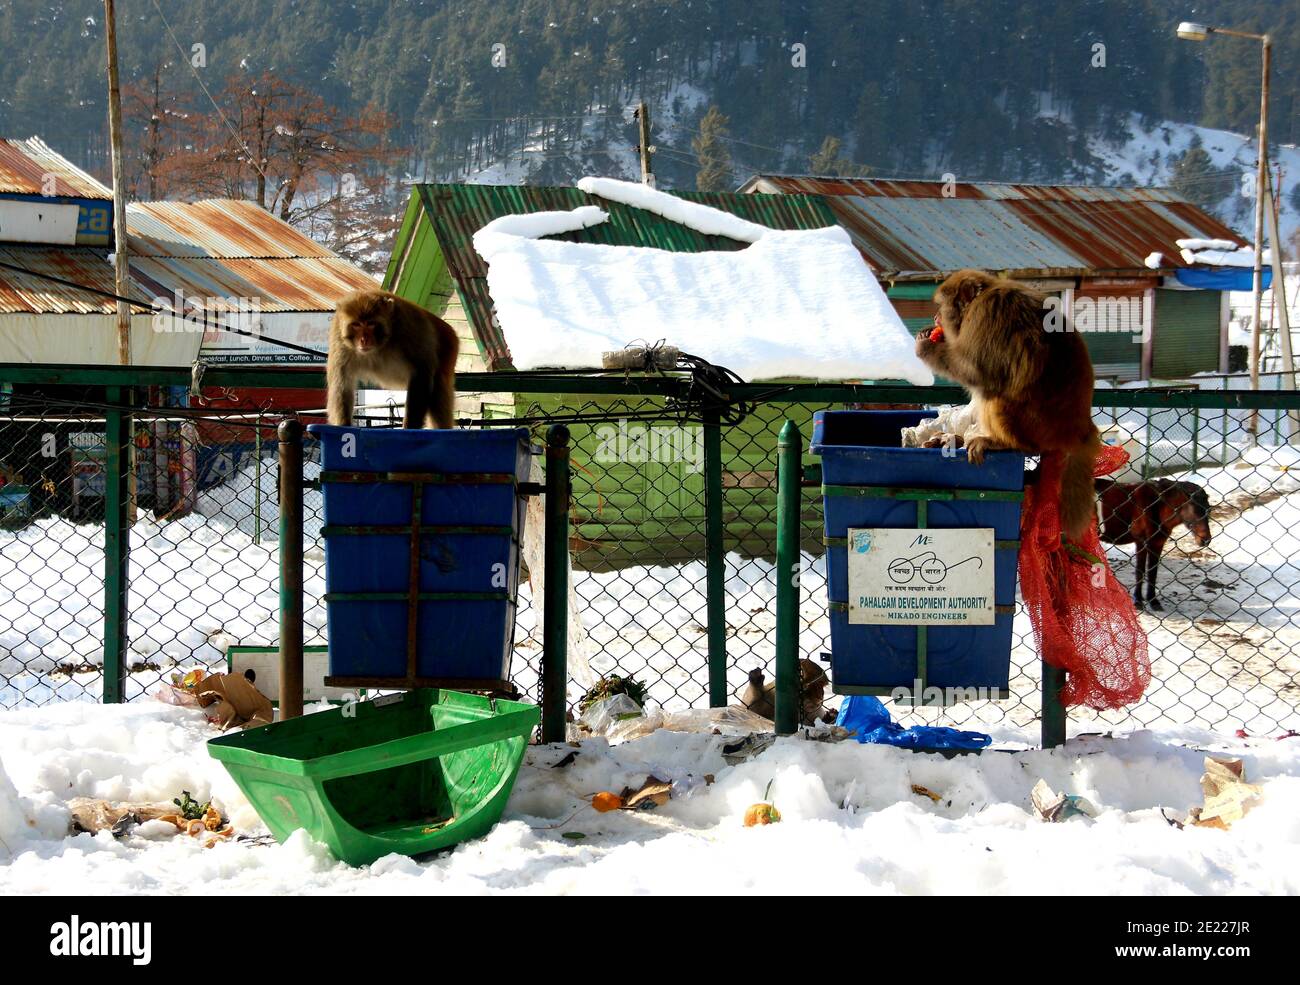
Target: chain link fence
point(201, 521)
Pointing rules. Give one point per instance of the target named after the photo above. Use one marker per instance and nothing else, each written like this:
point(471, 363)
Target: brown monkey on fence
point(383, 339)
point(1031, 378)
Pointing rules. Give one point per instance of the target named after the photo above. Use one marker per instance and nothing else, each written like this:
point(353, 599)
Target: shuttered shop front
point(1110, 316)
point(1186, 336)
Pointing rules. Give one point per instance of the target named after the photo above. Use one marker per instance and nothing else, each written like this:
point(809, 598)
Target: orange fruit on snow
point(606, 801)
point(761, 814)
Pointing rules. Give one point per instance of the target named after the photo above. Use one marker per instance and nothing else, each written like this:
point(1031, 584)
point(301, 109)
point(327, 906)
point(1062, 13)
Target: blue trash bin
point(870, 481)
point(421, 532)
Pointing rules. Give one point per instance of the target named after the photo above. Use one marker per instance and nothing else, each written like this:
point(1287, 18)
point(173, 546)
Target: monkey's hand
point(944, 441)
point(977, 445)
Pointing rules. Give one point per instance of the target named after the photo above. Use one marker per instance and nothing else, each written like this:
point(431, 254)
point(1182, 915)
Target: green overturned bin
point(408, 773)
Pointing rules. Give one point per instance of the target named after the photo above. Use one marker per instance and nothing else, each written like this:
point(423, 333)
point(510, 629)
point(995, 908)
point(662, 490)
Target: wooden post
point(645, 148)
point(121, 269)
point(1261, 178)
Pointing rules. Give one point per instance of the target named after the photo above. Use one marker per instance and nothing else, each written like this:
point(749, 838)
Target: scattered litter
point(734, 753)
point(233, 701)
point(731, 720)
point(566, 761)
point(1227, 794)
point(1055, 807)
point(653, 793)
point(867, 719)
point(600, 716)
point(959, 421)
point(187, 816)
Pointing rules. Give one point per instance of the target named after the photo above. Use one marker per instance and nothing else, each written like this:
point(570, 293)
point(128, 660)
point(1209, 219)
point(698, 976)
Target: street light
point(1191, 31)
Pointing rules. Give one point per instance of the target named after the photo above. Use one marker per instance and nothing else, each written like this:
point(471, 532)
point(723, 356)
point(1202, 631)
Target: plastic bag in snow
point(867, 719)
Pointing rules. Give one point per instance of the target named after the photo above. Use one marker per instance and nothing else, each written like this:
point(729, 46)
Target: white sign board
point(928, 577)
point(38, 222)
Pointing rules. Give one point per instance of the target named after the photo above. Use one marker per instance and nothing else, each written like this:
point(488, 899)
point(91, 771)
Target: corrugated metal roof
point(36, 295)
point(214, 228)
point(26, 166)
point(456, 212)
point(932, 227)
point(295, 284)
point(213, 249)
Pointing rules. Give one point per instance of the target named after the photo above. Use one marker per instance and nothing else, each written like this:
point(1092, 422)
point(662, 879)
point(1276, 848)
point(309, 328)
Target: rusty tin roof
point(924, 229)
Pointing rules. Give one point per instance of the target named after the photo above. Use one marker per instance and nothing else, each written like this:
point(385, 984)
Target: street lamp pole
point(1199, 32)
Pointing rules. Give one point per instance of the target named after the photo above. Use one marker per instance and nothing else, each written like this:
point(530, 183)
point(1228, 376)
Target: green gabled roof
point(434, 250)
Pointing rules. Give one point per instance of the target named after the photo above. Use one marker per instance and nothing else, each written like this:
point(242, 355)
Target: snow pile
point(851, 820)
point(702, 218)
point(1233, 257)
point(1205, 244)
point(793, 304)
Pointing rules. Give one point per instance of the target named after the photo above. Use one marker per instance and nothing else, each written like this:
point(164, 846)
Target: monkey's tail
point(1078, 492)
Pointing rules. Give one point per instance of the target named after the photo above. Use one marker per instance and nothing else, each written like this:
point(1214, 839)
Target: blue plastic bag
point(867, 718)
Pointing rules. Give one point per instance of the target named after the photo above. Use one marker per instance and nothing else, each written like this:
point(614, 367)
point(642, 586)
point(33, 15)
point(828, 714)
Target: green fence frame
point(120, 383)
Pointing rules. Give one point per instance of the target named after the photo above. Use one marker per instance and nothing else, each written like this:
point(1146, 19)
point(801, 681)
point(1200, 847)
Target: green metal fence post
point(1054, 713)
point(789, 469)
point(117, 540)
point(716, 562)
point(1196, 438)
point(291, 568)
point(1223, 447)
point(555, 603)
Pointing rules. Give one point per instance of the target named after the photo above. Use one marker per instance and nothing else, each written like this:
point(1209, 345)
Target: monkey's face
point(367, 335)
point(368, 326)
point(954, 296)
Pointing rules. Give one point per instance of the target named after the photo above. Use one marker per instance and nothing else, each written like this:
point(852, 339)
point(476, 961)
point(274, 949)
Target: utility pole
point(1192, 31)
point(645, 148)
point(1261, 179)
point(121, 270)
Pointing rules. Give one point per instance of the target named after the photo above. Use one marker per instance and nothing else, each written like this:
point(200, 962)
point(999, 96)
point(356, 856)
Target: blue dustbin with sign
point(421, 532)
point(921, 550)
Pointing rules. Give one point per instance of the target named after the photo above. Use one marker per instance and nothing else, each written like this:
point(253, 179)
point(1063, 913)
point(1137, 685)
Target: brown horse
point(1145, 514)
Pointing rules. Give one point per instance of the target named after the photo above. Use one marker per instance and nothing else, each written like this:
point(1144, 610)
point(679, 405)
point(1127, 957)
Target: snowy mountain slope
point(1149, 155)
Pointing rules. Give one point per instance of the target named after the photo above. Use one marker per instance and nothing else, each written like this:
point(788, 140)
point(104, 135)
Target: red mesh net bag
point(1084, 620)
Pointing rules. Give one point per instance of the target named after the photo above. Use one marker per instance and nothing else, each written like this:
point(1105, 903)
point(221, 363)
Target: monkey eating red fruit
point(936, 334)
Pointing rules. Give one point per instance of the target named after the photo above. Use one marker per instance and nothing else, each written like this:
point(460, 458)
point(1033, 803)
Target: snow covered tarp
point(792, 304)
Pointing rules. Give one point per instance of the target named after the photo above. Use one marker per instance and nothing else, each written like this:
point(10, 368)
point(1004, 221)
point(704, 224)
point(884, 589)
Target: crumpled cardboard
point(1055, 807)
point(1227, 794)
point(233, 702)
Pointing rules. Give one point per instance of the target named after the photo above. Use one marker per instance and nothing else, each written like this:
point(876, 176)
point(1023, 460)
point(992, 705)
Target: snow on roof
point(799, 303)
point(1218, 256)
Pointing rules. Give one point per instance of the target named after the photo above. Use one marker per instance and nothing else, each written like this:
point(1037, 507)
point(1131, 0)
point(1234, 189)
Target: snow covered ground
point(851, 822)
